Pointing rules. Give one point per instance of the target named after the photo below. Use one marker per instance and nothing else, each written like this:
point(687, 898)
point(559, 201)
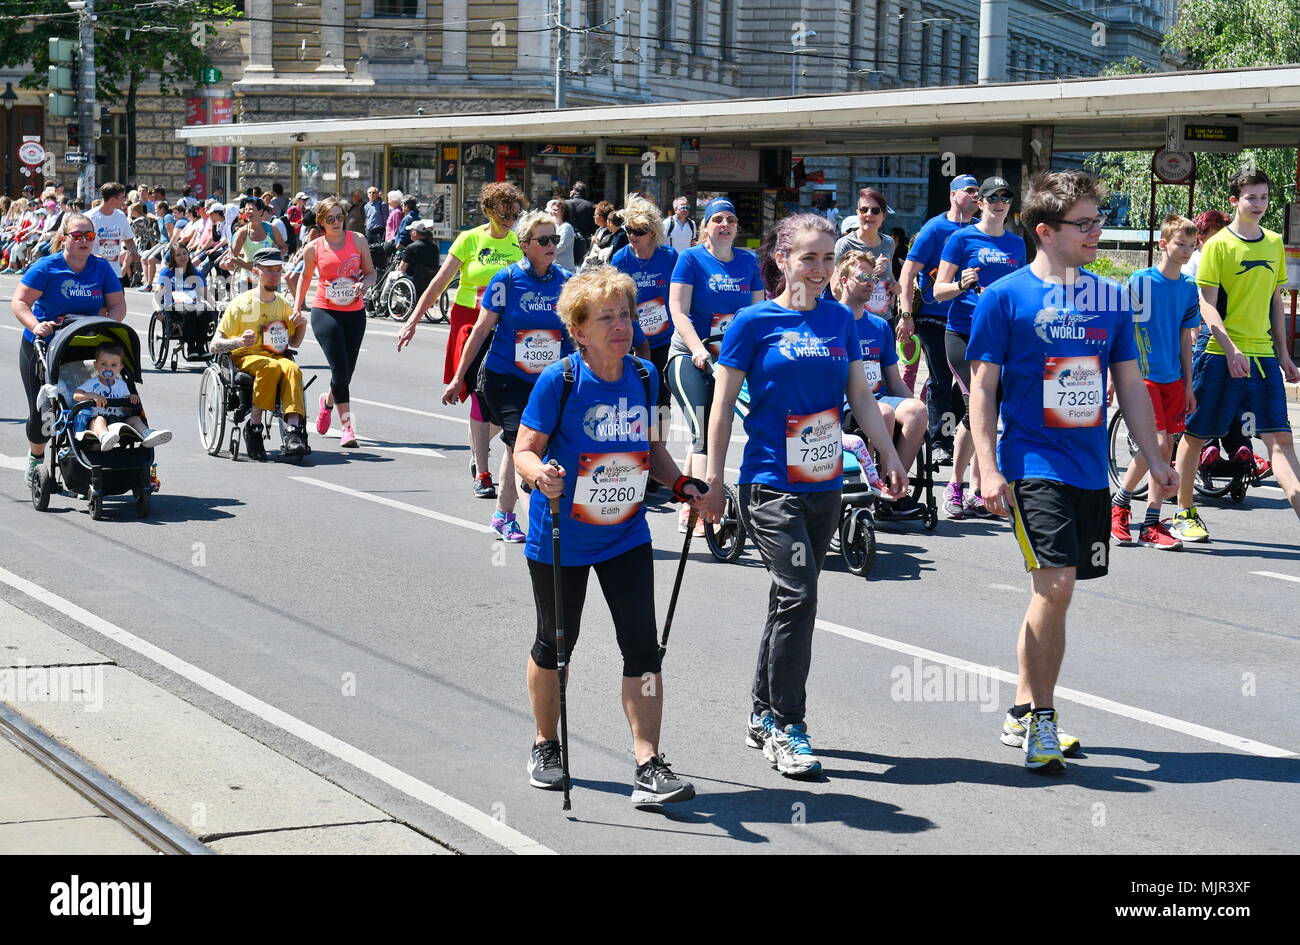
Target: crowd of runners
point(574, 367)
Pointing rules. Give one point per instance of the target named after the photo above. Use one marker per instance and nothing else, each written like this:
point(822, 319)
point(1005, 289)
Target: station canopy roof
point(1112, 113)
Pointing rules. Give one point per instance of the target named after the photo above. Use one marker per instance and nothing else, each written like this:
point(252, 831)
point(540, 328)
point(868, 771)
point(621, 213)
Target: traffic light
point(62, 78)
point(74, 136)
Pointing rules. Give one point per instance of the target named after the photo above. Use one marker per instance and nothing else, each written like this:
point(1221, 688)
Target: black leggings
point(340, 334)
point(27, 368)
point(941, 407)
point(694, 392)
point(627, 581)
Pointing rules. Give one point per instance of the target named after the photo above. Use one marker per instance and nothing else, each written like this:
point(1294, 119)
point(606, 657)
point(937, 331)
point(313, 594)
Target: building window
point(727, 28)
point(879, 34)
point(395, 9)
point(964, 58)
point(857, 37)
point(666, 15)
point(904, 44)
point(945, 57)
point(698, 22)
point(925, 53)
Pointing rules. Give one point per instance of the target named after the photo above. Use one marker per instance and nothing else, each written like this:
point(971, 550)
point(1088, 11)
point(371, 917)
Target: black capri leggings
point(505, 397)
point(27, 368)
point(941, 407)
point(340, 334)
point(627, 581)
point(956, 344)
point(693, 390)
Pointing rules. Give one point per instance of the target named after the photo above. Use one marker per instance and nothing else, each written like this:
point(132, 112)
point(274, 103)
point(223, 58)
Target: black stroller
point(71, 467)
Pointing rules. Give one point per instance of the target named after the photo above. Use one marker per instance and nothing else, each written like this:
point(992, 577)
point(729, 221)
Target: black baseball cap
point(268, 257)
point(993, 185)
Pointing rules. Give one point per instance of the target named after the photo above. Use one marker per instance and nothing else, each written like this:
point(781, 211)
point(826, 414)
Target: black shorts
point(1062, 526)
point(504, 398)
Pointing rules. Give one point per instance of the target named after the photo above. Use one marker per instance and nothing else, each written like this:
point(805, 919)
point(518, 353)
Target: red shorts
point(460, 315)
point(1169, 402)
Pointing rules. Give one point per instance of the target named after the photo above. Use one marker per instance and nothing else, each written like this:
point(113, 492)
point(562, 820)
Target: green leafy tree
point(135, 40)
point(1211, 34)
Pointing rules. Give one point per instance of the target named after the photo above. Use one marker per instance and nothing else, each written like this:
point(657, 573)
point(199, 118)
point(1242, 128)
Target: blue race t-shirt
point(1162, 310)
point(718, 290)
point(602, 443)
point(1055, 345)
point(651, 277)
point(927, 249)
point(876, 342)
point(529, 334)
point(65, 292)
point(797, 368)
point(994, 256)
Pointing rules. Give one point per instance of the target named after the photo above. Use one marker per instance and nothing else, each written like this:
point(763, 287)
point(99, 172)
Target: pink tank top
point(338, 275)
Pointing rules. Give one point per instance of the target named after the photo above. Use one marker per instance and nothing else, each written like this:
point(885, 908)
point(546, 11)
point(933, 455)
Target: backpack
point(581, 246)
point(291, 240)
point(571, 378)
point(673, 223)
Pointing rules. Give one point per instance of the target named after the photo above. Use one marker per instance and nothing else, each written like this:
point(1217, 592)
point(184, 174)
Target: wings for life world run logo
point(536, 302)
point(801, 344)
point(620, 421)
point(613, 473)
point(721, 282)
point(1052, 324)
point(816, 433)
point(72, 289)
point(490, 256)
point(992, 256)
point(1077, 376)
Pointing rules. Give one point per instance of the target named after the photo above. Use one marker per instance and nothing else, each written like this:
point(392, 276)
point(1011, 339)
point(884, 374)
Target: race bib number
point(610, 487)
point(878, 304)
point(535, 348)
point(874, 375)
point(814, 446)
point(719, 326)
point(341, 290)
point(110, 249)
point(275, 337)
point(1073, 392)
point(653, 316)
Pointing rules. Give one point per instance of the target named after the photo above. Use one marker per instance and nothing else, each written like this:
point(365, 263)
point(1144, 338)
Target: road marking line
point(1072, 695)
point(419, 413)
point(1280, 577)
point(1007, 587)
point(471, 817)
point(394, 504)
point(369, 444)
point(13, 462)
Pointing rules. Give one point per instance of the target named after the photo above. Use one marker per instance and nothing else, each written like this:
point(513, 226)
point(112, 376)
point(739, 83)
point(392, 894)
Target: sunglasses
point(973, 191)
point(871, 210)
point(864, 276)
point(337, 218)
point(77, 237)
point(544, 240)
point(998, 198)
point(633, 232)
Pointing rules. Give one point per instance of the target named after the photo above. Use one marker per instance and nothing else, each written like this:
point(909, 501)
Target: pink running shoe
point(1209, 456)
point(349, 439)
point(323, 417)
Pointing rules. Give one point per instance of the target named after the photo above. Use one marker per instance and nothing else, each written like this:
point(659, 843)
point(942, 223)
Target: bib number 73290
point(1074, 393)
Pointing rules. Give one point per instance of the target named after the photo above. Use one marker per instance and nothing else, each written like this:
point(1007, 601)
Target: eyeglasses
point(998, 198)
point(544, 240)
point(973, 191)
point(1089, 225)
point(78, 236)
point(634, 232)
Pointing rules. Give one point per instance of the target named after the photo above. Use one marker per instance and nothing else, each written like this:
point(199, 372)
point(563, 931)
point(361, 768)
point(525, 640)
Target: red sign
point(196, 111)
point(222, 113)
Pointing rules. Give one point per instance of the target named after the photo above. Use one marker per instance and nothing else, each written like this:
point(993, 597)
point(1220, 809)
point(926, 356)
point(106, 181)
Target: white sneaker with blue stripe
point(791, 753)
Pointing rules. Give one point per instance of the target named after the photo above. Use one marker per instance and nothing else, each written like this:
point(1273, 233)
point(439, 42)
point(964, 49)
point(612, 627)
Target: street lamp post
point(9, 98)
point(85, 10)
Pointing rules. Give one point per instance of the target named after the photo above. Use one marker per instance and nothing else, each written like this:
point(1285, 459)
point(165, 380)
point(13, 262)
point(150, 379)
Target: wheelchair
point(226, 399)
point(182, 329)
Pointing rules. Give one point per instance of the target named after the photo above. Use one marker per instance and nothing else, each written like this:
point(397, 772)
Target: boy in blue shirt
point(1051, 333)
point(1166, 315)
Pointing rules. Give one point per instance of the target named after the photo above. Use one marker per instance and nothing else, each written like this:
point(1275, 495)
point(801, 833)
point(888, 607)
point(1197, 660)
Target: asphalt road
point(361, 595)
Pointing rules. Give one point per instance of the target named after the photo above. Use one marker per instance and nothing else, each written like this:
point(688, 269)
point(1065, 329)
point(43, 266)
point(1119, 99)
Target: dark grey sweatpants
point(793, 532)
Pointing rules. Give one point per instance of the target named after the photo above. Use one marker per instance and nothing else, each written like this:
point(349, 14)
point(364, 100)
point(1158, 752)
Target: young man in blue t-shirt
point(1166, 316)
point(1051, 333)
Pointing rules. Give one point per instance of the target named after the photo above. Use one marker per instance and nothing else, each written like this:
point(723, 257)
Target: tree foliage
point(1211, 34)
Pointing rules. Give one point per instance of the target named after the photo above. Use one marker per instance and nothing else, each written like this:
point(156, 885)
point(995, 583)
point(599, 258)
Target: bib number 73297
point(814, 446)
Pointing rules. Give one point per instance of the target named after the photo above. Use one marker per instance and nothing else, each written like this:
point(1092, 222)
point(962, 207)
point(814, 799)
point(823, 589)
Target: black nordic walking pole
point(677, 584)
point(561, 656)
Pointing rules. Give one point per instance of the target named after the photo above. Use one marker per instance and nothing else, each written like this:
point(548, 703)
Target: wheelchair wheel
point(42, 488)
point(726, 539)
point(96, 505)
point(158, 340)
point(400, 299)
point(930, 518)
point(212, 410)
point(1122, 449)
point(1238, 490)
point(858, 541)
point(1217, 481)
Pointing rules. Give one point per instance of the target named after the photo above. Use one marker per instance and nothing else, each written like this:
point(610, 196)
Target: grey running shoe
point(655, 785)
point(1014, 729)
point(954, 504)
point(760, 727)
point(544, 768)
point(1042, 746)
point(790, 752)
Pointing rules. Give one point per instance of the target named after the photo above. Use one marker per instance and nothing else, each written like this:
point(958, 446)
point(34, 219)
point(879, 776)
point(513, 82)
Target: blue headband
point(718, 205)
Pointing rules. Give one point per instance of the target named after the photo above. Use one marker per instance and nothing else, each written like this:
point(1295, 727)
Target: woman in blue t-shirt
point(518, 311)
point(973, 258)
point(67, 284)
point(711, 282)
point(801, 357)
point(593, 427)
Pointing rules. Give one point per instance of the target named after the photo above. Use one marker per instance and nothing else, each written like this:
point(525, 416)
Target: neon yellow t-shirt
point(1247, 274)
point(482, 257)
point(245, 312)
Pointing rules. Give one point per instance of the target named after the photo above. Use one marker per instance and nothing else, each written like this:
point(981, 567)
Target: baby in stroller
point(106, 384)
